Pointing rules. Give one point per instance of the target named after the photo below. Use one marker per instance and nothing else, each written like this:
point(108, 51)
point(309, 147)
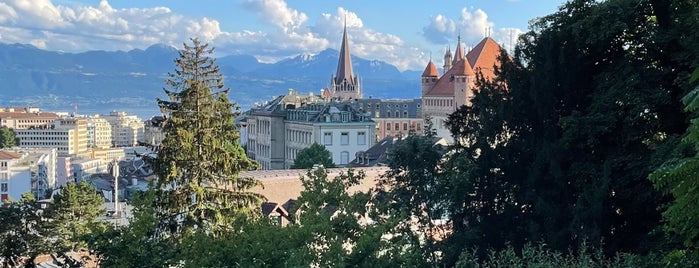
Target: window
point(405, 126)
point(344, 138)
point(397, 114)
point(388, 126)
point(397, 126)
point(405, 114)
point(3, 187)
point(344, 158)
point(361, 138)
point(3, 197)
point(328, 138)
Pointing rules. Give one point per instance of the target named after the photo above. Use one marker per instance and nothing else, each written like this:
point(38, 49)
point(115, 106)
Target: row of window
point(396, 125)
point(299, 136)
point(42, 138)
point(344, 138)
point(439, 102)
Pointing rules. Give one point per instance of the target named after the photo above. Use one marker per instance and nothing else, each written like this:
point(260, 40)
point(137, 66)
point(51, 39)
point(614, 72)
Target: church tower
point(344, 84)
point(447, 60)
point(459, 53)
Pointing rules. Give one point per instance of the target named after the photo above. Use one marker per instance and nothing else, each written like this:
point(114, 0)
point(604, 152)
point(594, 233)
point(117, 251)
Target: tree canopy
point(7, 138)
point(315, 154)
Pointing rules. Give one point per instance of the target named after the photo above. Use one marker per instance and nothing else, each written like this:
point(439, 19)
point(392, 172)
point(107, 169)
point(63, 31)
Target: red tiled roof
point(326, 93)
point(445, 84)
point(430, 70)
point(484, 56)
point(5, 155)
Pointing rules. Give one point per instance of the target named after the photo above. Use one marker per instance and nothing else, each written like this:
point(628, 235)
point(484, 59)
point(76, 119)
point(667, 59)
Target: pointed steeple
point(447, 59)
point(344, 64)
point(459, 54)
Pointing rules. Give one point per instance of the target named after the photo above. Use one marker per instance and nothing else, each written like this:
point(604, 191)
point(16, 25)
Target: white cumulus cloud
point(472, 25)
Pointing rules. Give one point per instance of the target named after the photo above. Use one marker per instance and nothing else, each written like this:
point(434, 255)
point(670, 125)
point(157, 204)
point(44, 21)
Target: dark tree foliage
point(7, 138)
point(315, 154)
point(199, 160)
point(22, 232)
point(558, 148)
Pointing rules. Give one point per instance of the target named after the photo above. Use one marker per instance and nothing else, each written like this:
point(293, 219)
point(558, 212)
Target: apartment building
point(279, 130)
point(127, 130)
point(67, 135)
point(393, 117)
point(99, 132)
point(27, 170)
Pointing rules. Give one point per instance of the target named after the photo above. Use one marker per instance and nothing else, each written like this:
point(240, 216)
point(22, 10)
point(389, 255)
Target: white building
point(99, 132)
point(127, 130)
point(278, 131)
point(67, 135)
point(27, 170)
point(82, 168)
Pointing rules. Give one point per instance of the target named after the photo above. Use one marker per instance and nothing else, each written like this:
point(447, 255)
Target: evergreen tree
point(315, 154)
point(73, 217)
point(199, 160)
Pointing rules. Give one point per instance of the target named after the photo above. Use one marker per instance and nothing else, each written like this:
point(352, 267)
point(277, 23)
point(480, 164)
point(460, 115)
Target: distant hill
point(100, 81)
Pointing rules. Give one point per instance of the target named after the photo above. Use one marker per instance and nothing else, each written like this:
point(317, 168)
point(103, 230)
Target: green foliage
point(540, 256)
point(74, 216)
point(680, 178)
point(315, 154)
point(200, 158)
point(7, 138)
point(134, 245)
point(22, 233)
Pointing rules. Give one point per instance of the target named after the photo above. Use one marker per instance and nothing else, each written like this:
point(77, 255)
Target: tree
point(198, 186)
point(22, 232)
point(73, 217)
point(7, 138)
point(315, 154)
point(680, 178)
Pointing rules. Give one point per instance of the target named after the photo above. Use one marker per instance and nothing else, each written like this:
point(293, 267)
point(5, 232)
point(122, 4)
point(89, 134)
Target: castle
point(442, 95)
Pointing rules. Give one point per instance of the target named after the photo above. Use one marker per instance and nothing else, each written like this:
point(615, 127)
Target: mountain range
point(101, 81)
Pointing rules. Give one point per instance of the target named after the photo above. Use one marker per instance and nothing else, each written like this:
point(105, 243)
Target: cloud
point(102, 27)
point(471, 25)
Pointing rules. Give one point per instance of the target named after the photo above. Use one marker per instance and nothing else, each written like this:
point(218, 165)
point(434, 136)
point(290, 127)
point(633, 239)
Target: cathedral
point(443, 94)
point(344, 84)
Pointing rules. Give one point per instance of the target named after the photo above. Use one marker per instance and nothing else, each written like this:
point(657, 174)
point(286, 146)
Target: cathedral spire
point(344, 64)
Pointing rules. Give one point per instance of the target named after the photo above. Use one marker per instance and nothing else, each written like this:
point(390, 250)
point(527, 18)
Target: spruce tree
point(198, 163)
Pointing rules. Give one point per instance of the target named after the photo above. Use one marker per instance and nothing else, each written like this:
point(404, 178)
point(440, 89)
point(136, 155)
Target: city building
point(127, 130)
point(442, 95)
point(99, 132)
point(279, 129)
point(83, 168)
point(24, 118)
point(393, 117)
point(67, 135)
point(27, 170)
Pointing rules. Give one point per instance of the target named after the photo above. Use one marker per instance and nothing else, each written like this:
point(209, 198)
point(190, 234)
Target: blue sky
point(404, 33)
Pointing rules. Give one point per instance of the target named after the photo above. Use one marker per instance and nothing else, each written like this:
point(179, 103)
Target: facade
point(108, 154)
point(67, 135)
point(127, 130)
point(99, 132)
point(395, 118)
point(24, 118)
point(83, 168)
point(442, 95)
point(27, 170)
point(278, 131)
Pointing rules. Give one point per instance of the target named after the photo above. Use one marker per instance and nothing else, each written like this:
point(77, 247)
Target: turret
point(464, 78)
point(459, 53)
point(429, 77)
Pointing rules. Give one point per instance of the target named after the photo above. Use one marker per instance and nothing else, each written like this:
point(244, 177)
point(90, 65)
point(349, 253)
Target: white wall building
point(127, 130)
point(99, 132)
point(67, 135)
point(83, 168)
point(27, 170)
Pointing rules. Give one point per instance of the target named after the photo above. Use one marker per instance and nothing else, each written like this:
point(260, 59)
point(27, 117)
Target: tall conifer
point(198, 163)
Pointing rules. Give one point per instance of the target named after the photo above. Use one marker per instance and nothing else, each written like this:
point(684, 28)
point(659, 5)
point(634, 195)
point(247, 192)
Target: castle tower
point(429, 77)
point(459, 53)
point(447, 60)
point(344, 84)
point(464, 78)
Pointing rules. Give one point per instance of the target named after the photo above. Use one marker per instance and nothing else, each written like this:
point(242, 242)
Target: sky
point(404, 33)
